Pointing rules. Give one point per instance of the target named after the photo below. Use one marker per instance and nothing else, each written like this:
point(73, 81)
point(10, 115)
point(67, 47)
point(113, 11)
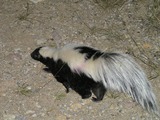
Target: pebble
point(90, 108)
point(30, 112)
point(3, 94)
point(61, 117)
point(37, 105)
point(9, 117)
point(29, 87)
point(36, 1)
point(34, 115)
point(76, 106)
point(20, 117)
point(112, 107)
point(133, 118)
point(41, 41)
point(42, 114)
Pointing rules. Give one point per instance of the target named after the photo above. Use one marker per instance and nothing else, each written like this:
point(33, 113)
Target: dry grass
point(24, 15)
point(154, 13)
point(24, 89)
point(109, 3)
point(60, 96)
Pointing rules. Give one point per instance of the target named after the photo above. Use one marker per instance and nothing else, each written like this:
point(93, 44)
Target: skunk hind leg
point(99, 91)
point(84, 93)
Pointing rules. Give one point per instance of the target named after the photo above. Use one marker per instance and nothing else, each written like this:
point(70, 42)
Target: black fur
point(82, 84)
point(90, 52)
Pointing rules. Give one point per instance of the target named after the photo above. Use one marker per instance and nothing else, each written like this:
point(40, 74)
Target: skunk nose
point(35, 54)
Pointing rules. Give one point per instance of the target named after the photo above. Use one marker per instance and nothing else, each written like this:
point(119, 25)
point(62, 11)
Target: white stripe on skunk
point(86, 69)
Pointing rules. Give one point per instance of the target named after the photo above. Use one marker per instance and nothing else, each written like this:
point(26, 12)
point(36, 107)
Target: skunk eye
point(36, 56)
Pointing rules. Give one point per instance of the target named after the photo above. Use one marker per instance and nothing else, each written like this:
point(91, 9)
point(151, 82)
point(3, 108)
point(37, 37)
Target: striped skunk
point(87, 70)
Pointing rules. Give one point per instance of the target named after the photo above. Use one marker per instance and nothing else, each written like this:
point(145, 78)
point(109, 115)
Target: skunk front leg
point(67, 86)
point(64, 82)
point(99, 91)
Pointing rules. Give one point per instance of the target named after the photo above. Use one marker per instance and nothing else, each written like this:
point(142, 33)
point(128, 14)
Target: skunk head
point(36, 55)
point(44, 55)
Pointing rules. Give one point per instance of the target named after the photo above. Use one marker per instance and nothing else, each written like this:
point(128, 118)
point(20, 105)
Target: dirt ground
point(29, 93)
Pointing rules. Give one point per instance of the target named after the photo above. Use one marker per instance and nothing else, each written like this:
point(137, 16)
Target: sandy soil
point(29, 93)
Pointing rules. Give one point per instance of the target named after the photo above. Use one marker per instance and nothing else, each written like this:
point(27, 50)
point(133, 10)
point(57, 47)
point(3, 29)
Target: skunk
point(87, 70)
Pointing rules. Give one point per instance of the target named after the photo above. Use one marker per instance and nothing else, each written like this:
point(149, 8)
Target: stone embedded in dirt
point(76, 106)
point(61, 117)
point(41, 41)
point(9, 117)
point(36, 1)
point(20, 117)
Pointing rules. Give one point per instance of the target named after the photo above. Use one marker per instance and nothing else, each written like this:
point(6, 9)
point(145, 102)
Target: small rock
point(29, 87)
point(34, 115)
point(112, 107)
point(30, 112)
point(41, 41)
point(42, 114)
point(61, 117)
point(9, 117)
point(133, 118)
point(36, 1)
point(90, 108)
point(28, 48)
point(20, 117)
point(3, 94)
point(76, 106)
point(103, 37)
point(37, 105)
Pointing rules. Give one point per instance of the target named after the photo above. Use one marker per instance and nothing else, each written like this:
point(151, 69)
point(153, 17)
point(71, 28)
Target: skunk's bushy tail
point(122, 73)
